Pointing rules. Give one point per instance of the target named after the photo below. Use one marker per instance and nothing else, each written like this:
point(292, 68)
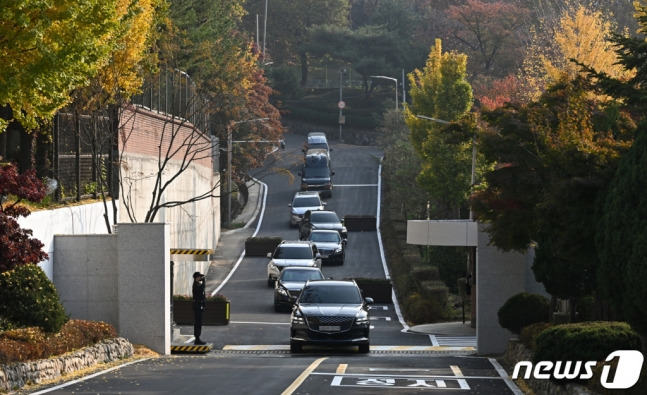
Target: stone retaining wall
point(16, 376)
point(516, 352)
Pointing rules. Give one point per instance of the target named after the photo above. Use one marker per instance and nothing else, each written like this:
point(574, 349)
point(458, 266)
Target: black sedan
point(321, 219)
point(330, 245)
point(289, 284)
point(330, 312)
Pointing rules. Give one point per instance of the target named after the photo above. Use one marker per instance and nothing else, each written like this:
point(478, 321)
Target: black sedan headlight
point(361, 319)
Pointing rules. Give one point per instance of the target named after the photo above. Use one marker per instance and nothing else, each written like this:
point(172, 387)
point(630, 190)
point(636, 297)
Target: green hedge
point(524, 309)
point(29, 299)
point(585, 341)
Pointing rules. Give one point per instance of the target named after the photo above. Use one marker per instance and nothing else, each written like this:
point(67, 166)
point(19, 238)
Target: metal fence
point(84, 155)
point(174, 93)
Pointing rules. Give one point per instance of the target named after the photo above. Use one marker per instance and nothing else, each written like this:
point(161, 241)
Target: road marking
point(355, 185)
point(505, 377)
point(257, 347)
point(389, 381)
point(281, 347)
point(259, 323)
point(341, 369)
point(381, 318)
point(302, 377)
point(378, 307)
point(443, 340)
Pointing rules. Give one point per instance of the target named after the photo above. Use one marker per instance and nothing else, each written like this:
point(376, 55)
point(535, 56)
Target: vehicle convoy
point(291, 253)
point(302, 202)
point(330, 244)
point(316, 174)
point(321, 219)
point(330, 312)
point(291, 282)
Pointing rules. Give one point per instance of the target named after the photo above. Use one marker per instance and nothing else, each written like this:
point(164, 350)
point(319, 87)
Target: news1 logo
point(627, 371)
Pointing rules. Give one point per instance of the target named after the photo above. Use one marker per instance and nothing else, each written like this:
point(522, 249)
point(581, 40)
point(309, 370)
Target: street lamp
point(230, 132)
point(396, 87)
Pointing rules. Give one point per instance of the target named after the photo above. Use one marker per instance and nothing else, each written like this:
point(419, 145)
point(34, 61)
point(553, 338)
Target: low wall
point(516, 352)
point(122, 279)
point(16, 376)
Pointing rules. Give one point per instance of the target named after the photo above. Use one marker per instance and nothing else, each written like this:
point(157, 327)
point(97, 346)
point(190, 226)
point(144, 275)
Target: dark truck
point(316, 174)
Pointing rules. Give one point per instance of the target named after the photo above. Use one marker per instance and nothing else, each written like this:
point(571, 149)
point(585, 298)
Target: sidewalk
point(232, 244)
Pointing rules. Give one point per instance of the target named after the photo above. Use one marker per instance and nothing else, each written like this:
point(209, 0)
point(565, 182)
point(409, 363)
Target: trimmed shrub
point(425, 273)
point(29, 299)
point(420, 310)
point(585, 341)
point(524, 309)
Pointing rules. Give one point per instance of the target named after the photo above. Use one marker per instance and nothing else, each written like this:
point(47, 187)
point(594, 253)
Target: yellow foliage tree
point(580, 34)
point(123, 73)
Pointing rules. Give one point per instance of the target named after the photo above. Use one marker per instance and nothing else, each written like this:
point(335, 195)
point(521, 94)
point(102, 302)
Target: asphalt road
point(251, 354)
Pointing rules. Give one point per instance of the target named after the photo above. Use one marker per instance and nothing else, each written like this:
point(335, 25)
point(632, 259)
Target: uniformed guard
point(199, 304)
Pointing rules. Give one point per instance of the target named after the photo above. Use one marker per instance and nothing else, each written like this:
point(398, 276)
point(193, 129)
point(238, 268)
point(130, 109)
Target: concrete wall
point(193, 225)
point(72, 220)
point(85, 275)
point(499, 275)
point(122, 279)
point(147, 140)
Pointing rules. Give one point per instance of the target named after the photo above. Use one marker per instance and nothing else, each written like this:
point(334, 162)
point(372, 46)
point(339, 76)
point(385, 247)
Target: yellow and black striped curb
point(187, 251)
point(191, 348)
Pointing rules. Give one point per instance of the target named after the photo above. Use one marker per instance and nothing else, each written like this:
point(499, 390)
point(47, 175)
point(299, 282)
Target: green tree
point(622, 236)
point(621, 231)
point(288, 23)
point(370, 50)
point(48, 49)
point(441, 91)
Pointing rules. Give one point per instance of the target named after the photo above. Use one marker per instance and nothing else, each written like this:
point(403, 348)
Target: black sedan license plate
point(330, 328)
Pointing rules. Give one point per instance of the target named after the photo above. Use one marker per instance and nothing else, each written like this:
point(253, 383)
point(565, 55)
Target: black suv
point(330, 312)
point(316, 174)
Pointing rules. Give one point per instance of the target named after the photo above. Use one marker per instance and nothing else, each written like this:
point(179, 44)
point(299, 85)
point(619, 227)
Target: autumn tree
point(489, 33)
point(131, 60)
point(579, 35)
point(17, 247)
point(48, 49)
point(554, 159)
point(440, 90)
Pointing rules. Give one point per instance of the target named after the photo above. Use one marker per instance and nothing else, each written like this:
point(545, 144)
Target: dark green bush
point(421, 310)
point(29, 299)
point(585, 341)
point(524, 309)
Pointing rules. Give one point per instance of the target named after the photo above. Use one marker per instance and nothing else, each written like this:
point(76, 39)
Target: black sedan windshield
point(331, 294)
point(324, 217)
